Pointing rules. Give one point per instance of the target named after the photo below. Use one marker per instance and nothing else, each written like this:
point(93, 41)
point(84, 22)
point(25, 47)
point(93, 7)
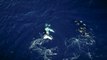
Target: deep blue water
point(21, 20)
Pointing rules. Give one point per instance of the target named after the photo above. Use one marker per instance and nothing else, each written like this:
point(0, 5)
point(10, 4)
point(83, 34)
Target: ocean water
point(22, 22)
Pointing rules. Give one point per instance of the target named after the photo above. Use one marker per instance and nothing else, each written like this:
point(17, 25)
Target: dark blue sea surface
point(23, 20)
